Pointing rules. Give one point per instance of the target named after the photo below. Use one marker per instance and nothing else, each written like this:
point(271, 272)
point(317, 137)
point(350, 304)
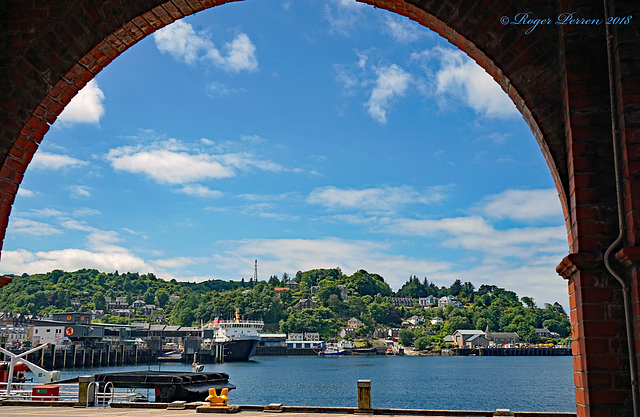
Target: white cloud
point(46, 212)
point(181, 41)
point(456, 225)
point(291, 255)
point(533, 275)
point(170, 162)
point(21, 226)
point(168, 167)
point(391, 83)
point(342, 15)
point(241, 54)
point(382, 199)
point(200, 191)
point(45, 160)
point(21, 261)
point(402, 29)
point(79, 191)
point(23, 192)
point(461, 78)
point(216, 89)
point(174, 262)
point(86, 211)
point(85, 107)
point(523, 205)
point(523, 243)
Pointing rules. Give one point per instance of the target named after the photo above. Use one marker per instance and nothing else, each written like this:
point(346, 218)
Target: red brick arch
point(557, 75)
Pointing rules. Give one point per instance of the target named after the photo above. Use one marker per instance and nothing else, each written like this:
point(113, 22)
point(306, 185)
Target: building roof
point(469, 332)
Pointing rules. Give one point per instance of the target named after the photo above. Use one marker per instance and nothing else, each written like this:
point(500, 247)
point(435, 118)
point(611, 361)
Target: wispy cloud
point(79, 191)
point(45, 160)
point(168, 166)
point(402, 29)
point(86, 107)
point(22, 226)
point(523, 205)
point(23, 192)
point(181, 41)
point(21, 261)
point(172, 162)
point(391, 83)
point(201, 191)
point(460, 79)
point(379, 200)
point(342, 15)
point(291, 255)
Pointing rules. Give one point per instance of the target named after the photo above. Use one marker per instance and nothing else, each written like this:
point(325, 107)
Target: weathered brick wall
point(556, 75)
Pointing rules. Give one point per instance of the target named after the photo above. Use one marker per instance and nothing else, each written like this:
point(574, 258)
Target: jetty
point(504, 351)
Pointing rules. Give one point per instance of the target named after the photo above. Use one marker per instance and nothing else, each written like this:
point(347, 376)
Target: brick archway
point(557, 75)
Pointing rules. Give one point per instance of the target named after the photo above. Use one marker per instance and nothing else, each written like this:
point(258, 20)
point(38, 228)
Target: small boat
point(173, 356)
point(331, 351)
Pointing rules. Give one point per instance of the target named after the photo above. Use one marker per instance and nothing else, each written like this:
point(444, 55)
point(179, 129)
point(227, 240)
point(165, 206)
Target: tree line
point(368, 298)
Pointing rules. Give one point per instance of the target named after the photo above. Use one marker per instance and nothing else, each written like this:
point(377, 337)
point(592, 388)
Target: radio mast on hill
point(255, 273)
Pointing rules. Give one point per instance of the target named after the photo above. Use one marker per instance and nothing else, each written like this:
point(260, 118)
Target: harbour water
point(525, 383)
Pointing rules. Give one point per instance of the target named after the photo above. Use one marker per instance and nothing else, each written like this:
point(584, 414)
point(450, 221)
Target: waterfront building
point(461, 336)
point(80, 317)
point(501, 338)
point(295, 337)
point(13, 336)
point(273, 340)
point(312, 336)
point(346, 344)
point(477, 340)
point(40, 334)
point(306, 344)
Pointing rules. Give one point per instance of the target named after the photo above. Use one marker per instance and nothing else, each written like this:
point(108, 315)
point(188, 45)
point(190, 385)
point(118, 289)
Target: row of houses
point(429, 301)
point(487, 338)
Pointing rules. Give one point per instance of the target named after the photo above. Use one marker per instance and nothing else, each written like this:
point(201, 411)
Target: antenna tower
point(255, 273)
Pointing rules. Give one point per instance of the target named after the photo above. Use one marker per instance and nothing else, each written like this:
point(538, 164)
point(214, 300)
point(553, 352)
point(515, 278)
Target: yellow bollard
point(215, 400)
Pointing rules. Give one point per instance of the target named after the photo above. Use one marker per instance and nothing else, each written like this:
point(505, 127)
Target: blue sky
point(308, 134)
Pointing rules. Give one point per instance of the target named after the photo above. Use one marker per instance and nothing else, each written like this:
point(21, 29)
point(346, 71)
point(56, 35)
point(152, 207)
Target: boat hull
point(240, 350)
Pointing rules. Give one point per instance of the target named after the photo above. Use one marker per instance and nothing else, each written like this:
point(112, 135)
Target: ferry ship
point(239, 337)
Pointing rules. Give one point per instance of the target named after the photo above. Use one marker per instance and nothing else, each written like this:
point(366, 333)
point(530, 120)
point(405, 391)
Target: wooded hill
point(369, 298)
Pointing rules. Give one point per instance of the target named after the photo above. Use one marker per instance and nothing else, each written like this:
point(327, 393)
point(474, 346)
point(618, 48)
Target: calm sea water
point(525, 383)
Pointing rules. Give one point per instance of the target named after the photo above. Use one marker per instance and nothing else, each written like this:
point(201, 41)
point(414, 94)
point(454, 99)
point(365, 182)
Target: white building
point(436, 320)
point(13, 335)
point(426, 301)
point(40, 335)
point(450, 300)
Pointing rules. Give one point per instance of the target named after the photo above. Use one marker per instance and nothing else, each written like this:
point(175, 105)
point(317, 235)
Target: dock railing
point(102, 395)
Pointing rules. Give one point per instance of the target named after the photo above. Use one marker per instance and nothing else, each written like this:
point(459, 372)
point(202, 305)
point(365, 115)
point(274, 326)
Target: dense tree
point(405, 337)
point(368, 299)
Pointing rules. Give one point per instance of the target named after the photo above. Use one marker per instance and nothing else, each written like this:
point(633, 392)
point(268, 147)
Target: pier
point(76, 356)
point(512, 351)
